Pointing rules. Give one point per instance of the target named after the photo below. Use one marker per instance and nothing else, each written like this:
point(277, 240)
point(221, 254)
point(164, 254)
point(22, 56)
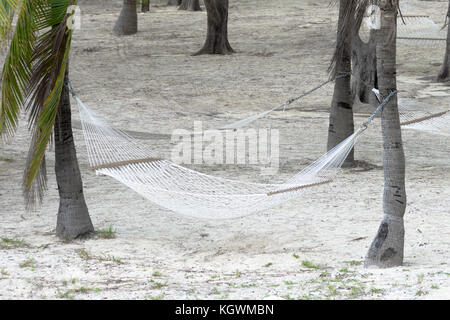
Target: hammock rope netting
point(114, 153)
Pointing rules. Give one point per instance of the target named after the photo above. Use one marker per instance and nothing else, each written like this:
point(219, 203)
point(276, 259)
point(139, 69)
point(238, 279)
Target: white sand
point(150, 84)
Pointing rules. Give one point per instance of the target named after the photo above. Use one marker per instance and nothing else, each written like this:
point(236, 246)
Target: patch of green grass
point(332, 290)
point(157, 285)
point(248, 285)
point(109, 233)
point(225, 296)
point(238, 274)
point(421, 292)
point(85, 254)
point(296, 256)
point(376, 290)
point(353, 262)
point(346, 270)
point(158, 297)
point(268, 264)
point(7, 243)
point(157, 274)
point(4, 272)
point(6, 159)
point(310, 265)
point(29, 263)
point(64, 295)
point(434, 286)
point(288, 282)
point(355, 292)
point(110, 258)
point(215, 291)
point(420, 278)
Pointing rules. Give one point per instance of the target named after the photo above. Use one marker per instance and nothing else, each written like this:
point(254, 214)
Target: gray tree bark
point(364, 64)
point(341, 114)
point(387, 248)
point(190, 5)
point(217, 35)
point(127, 22)
point(73, 216)
point(444, 74)
point(145, 5)
point(174, 2)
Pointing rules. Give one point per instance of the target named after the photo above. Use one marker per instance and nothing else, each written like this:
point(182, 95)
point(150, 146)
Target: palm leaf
point(17, 69)
point(7, 10)
point(33, 78)
point(49, 63)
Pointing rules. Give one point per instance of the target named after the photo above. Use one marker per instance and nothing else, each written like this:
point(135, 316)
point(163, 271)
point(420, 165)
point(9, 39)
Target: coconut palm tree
point(351, 13)
point(387, 248)
point(341, 112)
point(444, 74)
point(35, 77)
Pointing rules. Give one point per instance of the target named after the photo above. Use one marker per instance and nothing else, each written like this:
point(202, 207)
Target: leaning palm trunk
point(341, 114)
point(127, 22)
point(444, 74)
point(387, 247)
point(73, 217)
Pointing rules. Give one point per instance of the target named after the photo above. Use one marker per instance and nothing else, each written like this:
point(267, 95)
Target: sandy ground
point(310, 248)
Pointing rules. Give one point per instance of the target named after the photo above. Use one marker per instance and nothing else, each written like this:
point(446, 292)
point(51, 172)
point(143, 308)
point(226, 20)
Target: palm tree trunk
point(190, 5)
point(341, 114)
point(127, 22)
point(73, 216)
point(387, 248)
point(364, 63)
point(217, 36)
point(145, 5)
point(444, 74)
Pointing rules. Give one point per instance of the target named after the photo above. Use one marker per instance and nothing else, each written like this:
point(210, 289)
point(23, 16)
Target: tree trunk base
point(127, 22)
point(386, 250)
point(224, 49)
point(444, 74)
point(73, 218)
point(190, 5)
point(145, 7)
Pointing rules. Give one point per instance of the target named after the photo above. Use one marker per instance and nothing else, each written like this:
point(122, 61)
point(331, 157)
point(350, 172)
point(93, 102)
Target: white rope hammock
point(414, 116)
point(412, 29)
point(419, 29)
point(113, 153)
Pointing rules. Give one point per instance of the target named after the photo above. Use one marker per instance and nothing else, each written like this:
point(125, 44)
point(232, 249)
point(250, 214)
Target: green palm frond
point(34, 177)
point(7, 10)
point(33, 79)
point(17, 69)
